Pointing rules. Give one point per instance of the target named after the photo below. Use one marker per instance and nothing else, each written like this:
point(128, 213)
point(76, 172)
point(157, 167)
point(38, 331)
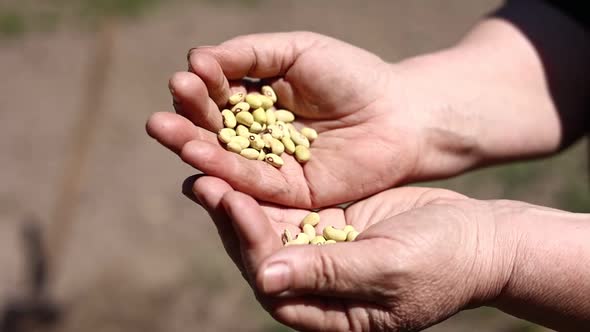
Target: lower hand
point(422, 255)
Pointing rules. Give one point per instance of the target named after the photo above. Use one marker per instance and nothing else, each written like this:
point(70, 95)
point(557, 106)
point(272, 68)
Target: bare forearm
point(550, 279)
point(515, 87)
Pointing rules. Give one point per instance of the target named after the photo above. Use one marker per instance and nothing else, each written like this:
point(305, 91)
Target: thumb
point(348, 270)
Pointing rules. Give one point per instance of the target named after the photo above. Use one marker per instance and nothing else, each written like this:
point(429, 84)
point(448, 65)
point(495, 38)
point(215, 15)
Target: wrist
point(549, 256)
point(430, 101)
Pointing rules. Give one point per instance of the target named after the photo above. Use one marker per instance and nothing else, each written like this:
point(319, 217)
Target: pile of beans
point(256, 130)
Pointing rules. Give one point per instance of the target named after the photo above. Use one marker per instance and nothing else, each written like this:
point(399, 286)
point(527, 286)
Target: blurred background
point(94, 233)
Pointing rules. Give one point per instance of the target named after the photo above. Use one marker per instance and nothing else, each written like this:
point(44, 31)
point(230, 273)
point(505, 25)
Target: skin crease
point(441, 252)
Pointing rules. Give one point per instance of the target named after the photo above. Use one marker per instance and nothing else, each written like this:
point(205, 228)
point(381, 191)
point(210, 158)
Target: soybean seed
point(236, 98)
point(302, 154)
point(240, 107)
point(245, 118)
point(310, 133)
point(250, 153)
point(226, 134)
point(285, 116)
point(229, 119)
point(242, 141)
point(268, 91)
point(274, 160)
point(253, 100)
point(289, 145)
point(313, 218)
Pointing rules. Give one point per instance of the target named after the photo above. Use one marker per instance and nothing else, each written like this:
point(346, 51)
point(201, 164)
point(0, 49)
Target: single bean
point(229, 119)
point(313, 218)
point(331, 233)
point(268, 91)
point(226, 134)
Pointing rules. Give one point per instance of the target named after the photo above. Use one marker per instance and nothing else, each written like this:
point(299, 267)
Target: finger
point(191, 100)
point(174, 131)
point(206, 67)
point(349, 270)
point(258, 55)
point(257, 236)
point(187, 188)
point(209, 191)
point(255, 177)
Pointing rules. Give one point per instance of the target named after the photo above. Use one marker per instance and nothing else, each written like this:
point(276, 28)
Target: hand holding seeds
point(364, 145)
point(411, 263)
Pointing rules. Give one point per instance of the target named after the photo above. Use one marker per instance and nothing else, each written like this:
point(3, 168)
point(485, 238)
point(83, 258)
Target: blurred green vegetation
point(560, 181)
point(18, 18)
point(12, 24)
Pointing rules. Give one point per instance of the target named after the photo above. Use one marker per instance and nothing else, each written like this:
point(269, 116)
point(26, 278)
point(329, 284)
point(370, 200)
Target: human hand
point(367, 143)
point(423, 255)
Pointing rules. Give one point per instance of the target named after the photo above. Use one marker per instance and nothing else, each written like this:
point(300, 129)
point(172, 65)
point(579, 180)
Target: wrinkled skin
point(368, 140)
point(423, 255)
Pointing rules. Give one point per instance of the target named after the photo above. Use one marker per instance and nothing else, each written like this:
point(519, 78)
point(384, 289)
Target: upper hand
point(367, 141)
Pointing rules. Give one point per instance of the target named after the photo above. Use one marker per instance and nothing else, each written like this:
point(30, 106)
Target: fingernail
point(275, 278)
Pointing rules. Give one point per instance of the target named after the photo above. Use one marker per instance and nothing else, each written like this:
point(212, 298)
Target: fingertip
point(171, 130)
point(210, 190)
point(187, 85)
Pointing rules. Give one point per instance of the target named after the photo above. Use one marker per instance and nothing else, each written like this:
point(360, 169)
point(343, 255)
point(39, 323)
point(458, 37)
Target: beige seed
point(256, 128)
point(289, 145)
point(245, 118)
point(270, 117)
point(267, 139)
point(284, 115)
point(234, 147)
point(331, 233)
point(348, 228)
point(229, 119)
point(274, 160)
point(351, 236)
point(313, 218)
point(309, 230)
point(301, 238)
point(261, 155)
point(250, 153)
point(268, 91)
point(302, 154)
point(266, 102)
point(236, 98)
point(256, 141)
point(242, 141)
point(240, 107)
point(275, 131)
point(292, 129)
point(226, 134)
point(253, 100)
point(299, 139)
point(319, 240)
point(259, 115)
point(310, 133)
point(277, 147)
point(330, 242)
point(282, 126)
point(242, 130)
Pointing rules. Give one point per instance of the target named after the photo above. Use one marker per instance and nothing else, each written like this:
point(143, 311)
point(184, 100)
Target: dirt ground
point(141, 257)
